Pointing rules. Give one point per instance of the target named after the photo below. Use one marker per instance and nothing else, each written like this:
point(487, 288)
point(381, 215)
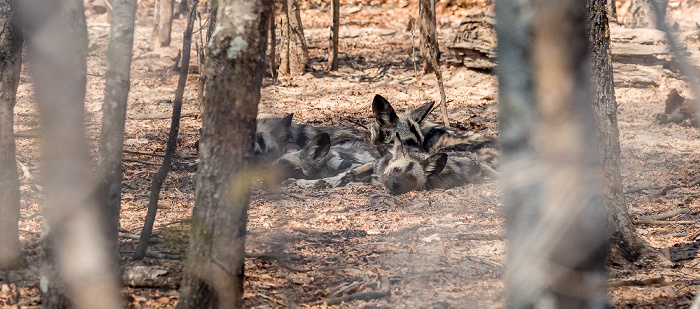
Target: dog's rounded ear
point(383, 111)
point(434, 164)
point(318, 147)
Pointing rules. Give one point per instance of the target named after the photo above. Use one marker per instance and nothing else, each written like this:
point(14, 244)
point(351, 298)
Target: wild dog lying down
point(414, 131)
point(275, 136)
point(320, 159)
point(678, 110)
point(407, 169)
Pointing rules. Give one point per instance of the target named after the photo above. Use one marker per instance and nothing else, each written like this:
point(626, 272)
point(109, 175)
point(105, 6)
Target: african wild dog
point(678, 110)
point(406, 169)
point(388, 124)
point(321, 159)
point(414, 130)
point(276, 136)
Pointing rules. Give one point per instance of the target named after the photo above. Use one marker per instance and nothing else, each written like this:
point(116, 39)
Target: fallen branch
point(143, 276)
point(384, 292)
point(665, 215)
point(652, 188)
point(275, 256)
point(27, 134)
point(153, 240)
point(144, 153)
point(659, 222)
point(140, 161)
point(643, 282)
point(164, 256)
point(164, 116)
point(694, 236)
point(465, 236)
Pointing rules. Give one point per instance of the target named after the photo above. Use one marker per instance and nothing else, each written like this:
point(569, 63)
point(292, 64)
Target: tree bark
point(273, 44)
point(111, 142)
point(641, 14)
point(214, 270)
point(171, 145)
point(10, 65)
point(554, 212)
point(163, 23)
point(285, 38)
point(333, 41)
point(298, 51)
point(428, 33)
point(75, 259)
point(623, 234)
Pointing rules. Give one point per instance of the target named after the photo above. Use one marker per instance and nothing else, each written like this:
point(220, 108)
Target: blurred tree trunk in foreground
point(624, 236)
point(235, 65)
point(294, 56)
point(428, 33)
point(555, 216)
point(163, 23)
point(111, 143)
point(76, 264)
point(10, 66)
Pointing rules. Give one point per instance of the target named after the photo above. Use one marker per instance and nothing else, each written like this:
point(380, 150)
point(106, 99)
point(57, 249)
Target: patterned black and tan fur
point(406, 169)
point(276, 136)
point(320, 158)
point(417, 132)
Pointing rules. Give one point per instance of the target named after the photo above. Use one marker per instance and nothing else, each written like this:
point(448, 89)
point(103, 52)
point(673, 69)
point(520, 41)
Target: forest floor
point(439, 249)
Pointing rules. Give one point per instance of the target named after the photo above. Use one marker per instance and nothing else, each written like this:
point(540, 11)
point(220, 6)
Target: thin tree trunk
point(298, 51)
point(10, 65)
point(111, 143)
point(333, 41)
point(163, 24)
point(75, 259)
point(285, 38)
point(624, 236)
point(435, 63)
point(214, 270)
point(428, 34)
point(554, 213)
point(273, 44)
point(159, 178)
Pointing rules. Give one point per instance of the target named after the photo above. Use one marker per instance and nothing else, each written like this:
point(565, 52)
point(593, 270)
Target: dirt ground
point(439, 249)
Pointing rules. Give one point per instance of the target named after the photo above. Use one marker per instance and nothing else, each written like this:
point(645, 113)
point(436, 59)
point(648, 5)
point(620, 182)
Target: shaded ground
point(440, 249)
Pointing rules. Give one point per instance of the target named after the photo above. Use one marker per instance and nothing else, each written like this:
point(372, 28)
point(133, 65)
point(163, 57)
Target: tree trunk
point(171, 145)
point(10, 66)
point(111, 143)
point(285, 38)
point(623, 234)
point(163, 23)
point(214, 271)
point(298, 52)
point(641, 14)
point(554, 212)
point(273, 44)
point(428, 34)
point(333, 41)
point(75, 260)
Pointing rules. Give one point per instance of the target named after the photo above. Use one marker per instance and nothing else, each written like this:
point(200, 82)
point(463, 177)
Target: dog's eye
point(411, 143)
